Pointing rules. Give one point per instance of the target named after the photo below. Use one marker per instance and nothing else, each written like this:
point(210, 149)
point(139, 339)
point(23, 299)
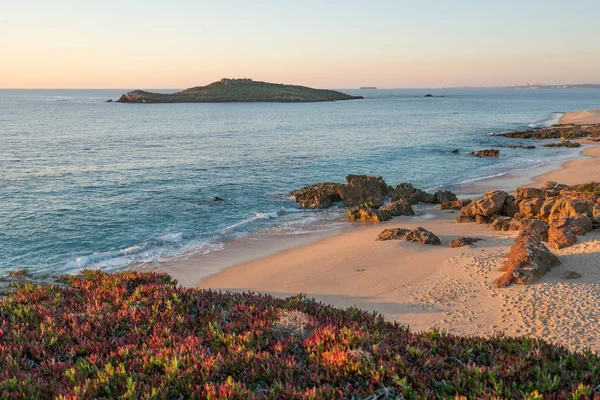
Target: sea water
point(90, 184)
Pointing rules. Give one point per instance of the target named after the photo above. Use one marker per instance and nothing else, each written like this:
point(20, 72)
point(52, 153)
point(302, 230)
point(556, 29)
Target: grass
point(591, 187)
point(139, 335)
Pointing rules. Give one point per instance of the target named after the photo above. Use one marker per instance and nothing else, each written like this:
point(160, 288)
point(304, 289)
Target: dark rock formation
point(217, 198)
point(527, 261)
point(463, 241)
point(486, 153)
point(422, 235)
point(560, 132)
point(444, 196)
point(564, 143)
point(393, 234)
point(536, 228)
point(454, 205)
point(320, 195)
point(455, 151)
point(570, 275)
point(398, 208)
point(412, 194)
point(491, 204)
point(506, 224)
point(362, 189)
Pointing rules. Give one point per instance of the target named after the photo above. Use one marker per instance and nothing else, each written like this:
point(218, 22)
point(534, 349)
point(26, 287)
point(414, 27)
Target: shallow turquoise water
point(85, 183)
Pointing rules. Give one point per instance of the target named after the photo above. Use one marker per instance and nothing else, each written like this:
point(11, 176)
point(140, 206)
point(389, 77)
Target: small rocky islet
point(554, 213)
point(238, 90)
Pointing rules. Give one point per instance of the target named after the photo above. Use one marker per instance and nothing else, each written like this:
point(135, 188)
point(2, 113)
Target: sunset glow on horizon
point(388, 44)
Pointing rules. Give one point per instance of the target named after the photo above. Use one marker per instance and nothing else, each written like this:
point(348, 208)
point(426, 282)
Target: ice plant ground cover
point(139, 335)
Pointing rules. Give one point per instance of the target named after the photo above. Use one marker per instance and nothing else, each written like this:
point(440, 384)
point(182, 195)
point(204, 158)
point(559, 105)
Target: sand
point(588, 117)
point(427, 286)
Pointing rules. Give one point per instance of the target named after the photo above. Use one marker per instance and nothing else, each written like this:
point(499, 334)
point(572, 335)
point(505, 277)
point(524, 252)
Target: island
point(238, 90)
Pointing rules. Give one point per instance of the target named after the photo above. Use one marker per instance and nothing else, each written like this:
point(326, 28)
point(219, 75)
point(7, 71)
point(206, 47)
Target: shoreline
point(431, 286)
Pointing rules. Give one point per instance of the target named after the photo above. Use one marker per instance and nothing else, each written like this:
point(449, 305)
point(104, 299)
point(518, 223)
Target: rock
point(109, 101)
point(564, 143)
point(454, 205)
point(320, 195)
point(570, 275)
point(398, 207)
point(455, 151)
point(510, 207)
point(366, 213)
point(506, 224)
point(461, 219)
point(530, 207)
point(491, 204)
point(412, 194)
point(553, 189)
point(217, 198)
point(361, 189)
point(560, 234)
point(536, 228)
point(422, 235)
point(428, 95)
point(393, 234)
point(567, 207)
point(544, 213)
point(486, 153)
point(523, 193)
point(482, 220)
point(527, 261)
point(463, 241)
point(442, 196)
point(561, 132)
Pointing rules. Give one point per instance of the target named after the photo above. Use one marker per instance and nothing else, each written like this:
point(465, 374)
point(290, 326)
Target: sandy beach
point(586, 117)
point(435, 286)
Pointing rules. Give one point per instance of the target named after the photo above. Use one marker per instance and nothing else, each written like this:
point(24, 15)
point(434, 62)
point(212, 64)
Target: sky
point(327, 44)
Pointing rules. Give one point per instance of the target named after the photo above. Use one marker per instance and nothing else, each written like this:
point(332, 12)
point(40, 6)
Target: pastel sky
point(333, 44)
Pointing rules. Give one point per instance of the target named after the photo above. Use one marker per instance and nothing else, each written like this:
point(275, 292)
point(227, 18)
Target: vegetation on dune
point(591, 187)
point(238, 90)
point(138, 335)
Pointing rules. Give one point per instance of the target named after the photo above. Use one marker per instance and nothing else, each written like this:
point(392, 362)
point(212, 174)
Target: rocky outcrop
point(527, 261)
point(422, 235)
point(413, 195)
point(393, 234)
point(362, 189)
point(463, 241)
point(563, 232)
point(535, 228)
point(564, 143)
point(491, 204)
point(444, 196)
point(486, 153)
point(506, 224)
point(560, 132)
point(320, 195)
point(398, 208)
point(454, 205)
point(367, 213)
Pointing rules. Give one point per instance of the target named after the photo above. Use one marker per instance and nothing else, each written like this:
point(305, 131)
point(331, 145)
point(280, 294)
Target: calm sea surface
point(84, 183)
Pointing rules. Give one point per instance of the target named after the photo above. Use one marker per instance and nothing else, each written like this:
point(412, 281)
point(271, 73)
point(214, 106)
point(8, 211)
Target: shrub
point(139, 335)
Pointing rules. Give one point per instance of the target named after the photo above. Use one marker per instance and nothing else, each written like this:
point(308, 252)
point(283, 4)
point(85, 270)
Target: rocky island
point(238, 90)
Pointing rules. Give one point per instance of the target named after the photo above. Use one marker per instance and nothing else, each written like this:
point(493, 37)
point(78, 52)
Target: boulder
point(454, 205)
point(536, 228)
point(486, 153)
point(367, 213)
point(443, 196)
point(361, 189)
point(320, 195)
point(547, 205)
point(505, 224)
point(561, 234)
point(463, 241)
point(527, 261)
point(455, 151)
point(412, 194)
point(563, 143)
point(218, 199)
point(393, 234)
point(491, 204)
point(398, 207)
point(531, 207)
point(422, 235)
point(461, 219)
point(480, 219)
point(523, 193)
point(567, 207)
point(570, 275)
point(510, 207)
point(553, 189)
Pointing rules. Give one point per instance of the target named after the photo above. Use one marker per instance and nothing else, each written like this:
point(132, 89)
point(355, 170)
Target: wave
point(553, 119)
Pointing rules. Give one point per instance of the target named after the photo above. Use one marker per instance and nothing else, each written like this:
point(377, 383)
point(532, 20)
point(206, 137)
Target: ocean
point(90, 184)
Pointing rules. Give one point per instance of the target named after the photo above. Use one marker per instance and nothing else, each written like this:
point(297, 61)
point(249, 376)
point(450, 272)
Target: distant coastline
point(239, 90)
